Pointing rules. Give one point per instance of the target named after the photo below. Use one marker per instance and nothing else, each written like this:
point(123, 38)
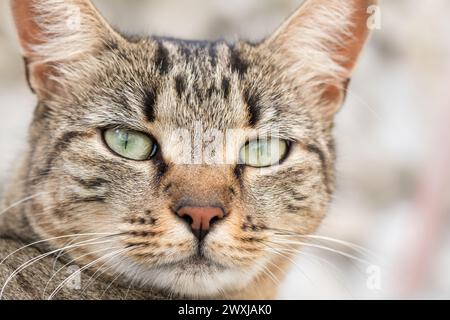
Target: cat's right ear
point(53, 33)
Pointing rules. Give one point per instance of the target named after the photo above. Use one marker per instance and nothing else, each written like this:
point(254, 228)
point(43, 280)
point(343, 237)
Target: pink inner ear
point(332, 94)
point(58, 42)
point(332, 97)
point(354, 43)
point(29, 32)
point(41, 78)
point(339, 26)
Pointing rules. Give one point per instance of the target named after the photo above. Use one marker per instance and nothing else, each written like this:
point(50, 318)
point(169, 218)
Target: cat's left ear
point(54, 33)
point(319, 45)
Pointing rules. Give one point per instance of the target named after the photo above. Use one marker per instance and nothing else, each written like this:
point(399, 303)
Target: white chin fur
point(193, 283)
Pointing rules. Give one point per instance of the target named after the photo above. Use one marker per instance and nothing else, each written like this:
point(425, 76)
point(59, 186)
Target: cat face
point(139, 143)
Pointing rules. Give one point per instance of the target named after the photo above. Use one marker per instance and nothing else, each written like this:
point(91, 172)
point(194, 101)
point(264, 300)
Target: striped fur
point(93, 78)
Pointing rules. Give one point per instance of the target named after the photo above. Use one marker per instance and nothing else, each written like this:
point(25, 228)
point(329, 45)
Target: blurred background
point(387, 235)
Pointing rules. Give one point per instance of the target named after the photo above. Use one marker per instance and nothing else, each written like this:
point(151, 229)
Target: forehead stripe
point(149, 104)
point(237, 64)
point(162, 59)
point(252, 100)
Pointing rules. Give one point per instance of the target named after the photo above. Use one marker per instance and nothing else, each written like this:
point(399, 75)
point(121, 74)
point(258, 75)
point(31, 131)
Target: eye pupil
point(125, 141)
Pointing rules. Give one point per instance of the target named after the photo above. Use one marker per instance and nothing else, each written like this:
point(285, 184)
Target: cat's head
point(184, 165)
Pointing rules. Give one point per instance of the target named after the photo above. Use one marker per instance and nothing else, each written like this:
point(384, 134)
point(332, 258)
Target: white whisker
point(21, 202)
point(54, 238)
point(59, 287)
point(313, 245)
point(40, 257)
point(73, 261)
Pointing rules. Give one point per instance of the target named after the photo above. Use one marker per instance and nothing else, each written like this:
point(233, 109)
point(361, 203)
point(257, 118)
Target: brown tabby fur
point(93, 78)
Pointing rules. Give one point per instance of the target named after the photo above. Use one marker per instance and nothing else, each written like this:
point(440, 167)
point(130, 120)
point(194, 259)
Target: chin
point(192, 278)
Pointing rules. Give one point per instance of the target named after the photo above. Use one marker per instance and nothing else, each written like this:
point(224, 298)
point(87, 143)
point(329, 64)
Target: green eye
point(130, 144)
point(263, 152)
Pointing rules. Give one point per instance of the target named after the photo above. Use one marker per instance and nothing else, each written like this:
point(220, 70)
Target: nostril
point(187, 218)
point(214, 220)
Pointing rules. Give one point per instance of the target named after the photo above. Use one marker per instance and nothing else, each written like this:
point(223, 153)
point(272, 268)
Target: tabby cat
point(168, 168)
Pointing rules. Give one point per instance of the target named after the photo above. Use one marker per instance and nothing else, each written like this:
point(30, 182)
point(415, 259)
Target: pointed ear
point(53, 33)
point(320, 44)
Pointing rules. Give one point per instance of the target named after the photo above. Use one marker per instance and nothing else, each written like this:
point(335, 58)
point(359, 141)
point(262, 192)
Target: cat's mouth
point(195, 262)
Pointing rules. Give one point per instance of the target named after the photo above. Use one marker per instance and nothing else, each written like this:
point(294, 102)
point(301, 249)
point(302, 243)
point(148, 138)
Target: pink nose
point(200, 218)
